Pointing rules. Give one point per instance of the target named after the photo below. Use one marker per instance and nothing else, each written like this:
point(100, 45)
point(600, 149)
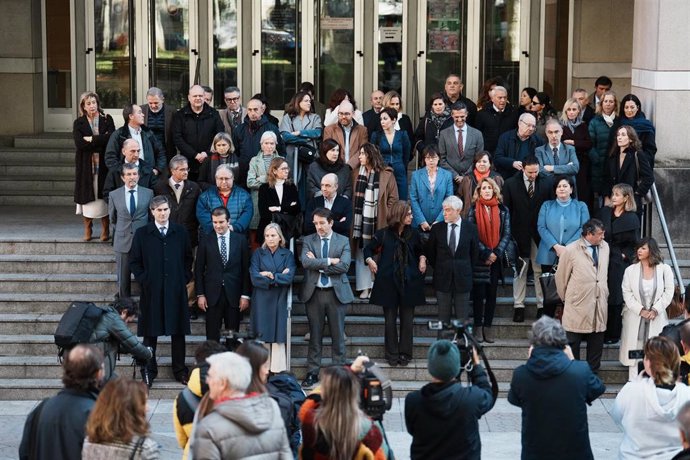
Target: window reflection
point(446, 43)
point(171, 63)
point(390, 40)
point(336, 47)
point(58, 54)
point(279, 56)
point(112, 52)
point(224, 46)
point(501, 44)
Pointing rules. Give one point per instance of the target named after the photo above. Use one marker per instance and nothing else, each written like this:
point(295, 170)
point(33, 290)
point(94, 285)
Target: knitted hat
point(444, 360)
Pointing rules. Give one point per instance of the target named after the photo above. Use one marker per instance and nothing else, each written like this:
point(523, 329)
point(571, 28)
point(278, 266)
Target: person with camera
point(553, 391)
point(333, 424)
point(443, 416)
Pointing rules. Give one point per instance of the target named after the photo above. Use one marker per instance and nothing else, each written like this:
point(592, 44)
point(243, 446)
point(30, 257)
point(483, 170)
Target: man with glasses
point(516, 145)
point(225, 194)
point(348, 133)
point(234, 114)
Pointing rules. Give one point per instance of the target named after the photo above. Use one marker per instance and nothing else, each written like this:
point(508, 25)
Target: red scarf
point(479, 176)
point(488, 224)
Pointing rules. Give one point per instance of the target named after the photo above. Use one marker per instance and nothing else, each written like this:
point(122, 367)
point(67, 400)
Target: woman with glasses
point(543, 110)
point(278, 199)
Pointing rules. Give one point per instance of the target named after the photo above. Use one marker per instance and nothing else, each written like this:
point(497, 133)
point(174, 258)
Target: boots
point(478, 334)
point(88, 227)
point(487, 335)
point(105, 228)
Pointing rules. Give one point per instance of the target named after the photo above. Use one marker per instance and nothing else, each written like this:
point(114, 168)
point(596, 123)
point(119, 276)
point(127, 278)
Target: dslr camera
point(232, 339)
point(462, 337)
point(376, 392)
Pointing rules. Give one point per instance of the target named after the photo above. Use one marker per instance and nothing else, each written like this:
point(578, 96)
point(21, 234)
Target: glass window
point(500, 48)
point(170, 37)
point(112, 53)
point(279, 55)
point(446, 43)
point(58, 54)
point(336, 62)
point(390, 40)
point(224, 47)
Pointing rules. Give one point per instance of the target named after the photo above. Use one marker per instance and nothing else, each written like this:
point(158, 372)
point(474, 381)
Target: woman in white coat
point(647, 290)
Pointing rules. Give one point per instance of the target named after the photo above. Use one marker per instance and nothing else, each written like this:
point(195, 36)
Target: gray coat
point(339, 247)
point(124, 223)
point(244, 428)
point(448, 148)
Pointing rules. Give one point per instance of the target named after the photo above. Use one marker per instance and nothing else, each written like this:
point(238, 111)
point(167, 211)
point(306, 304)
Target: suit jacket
point(524, 211)
point(125, 224)
point(568, 164)
point(268, 197)
point(226, 120)
point(184, 212)
point(448, 148)
point(211, 275)
point(169, 112)
point(358, 137)
point(338, 247)
point(342, 208)
point(114, 179)
point(453, 270)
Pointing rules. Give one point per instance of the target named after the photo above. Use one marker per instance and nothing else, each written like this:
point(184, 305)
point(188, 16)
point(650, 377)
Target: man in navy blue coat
point(340, 207)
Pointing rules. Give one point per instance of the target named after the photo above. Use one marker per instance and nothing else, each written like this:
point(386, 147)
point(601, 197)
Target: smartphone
point(636, 354)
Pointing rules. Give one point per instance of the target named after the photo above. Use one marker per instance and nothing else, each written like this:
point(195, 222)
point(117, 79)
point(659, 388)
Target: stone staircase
point(44, 266)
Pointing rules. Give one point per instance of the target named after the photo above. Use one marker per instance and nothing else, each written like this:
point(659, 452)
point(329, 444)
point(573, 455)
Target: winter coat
point(467, 186)
point(553, 392)
point(443, 418)
point(633, 306)
point(184, 212)
point(239, 205)
point(247, 140)
point(630, 174)
point(559, 225)
point(427, 133)
point(388, 194)
point(148, 450)
point(316, 172)
point(250, 427)
point(598, 155)
point(153, 152)
point(508, 150)
point(256, 176)
point(481, 271)
point(647, 415)
point(583, 288)
point(492, 124)
point(622, 234)
point(193, 133)
point(83, 183)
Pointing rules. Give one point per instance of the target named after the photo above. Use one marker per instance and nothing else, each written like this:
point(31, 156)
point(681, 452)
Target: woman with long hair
point(482, 167)
point(272, 271)
point(436, 118)
point(492, 219)
point(395, 148)
point(374, 192)
point(525, 103)
point(576, 133)
point(542, 110)
point(258, 175)
point(278, 197)
point(329, 161)
point(648, 286)
point(222, 152)
point(117, 427)
point(631, 114)
point(91, 132)
point(599, 132)
point(338, 96)
point(333, 425)
point(399, 279)
point(622, 228)
point(646, 407)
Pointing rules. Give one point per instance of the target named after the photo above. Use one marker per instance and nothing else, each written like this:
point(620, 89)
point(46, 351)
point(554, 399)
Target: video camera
point(232, 339)
point(376, 393)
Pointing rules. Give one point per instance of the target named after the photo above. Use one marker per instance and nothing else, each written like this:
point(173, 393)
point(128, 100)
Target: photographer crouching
point(443, 416)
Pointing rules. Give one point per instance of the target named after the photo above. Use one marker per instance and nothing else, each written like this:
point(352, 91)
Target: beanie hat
point(444, 360)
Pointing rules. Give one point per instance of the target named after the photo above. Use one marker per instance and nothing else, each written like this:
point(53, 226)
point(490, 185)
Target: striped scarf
point(366, 199)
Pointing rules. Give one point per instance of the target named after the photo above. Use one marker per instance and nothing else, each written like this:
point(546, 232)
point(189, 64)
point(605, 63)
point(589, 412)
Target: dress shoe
point(478, 334)
point(487, 335)
point(519, 315)
point(404, 360)
point(393, 362)
point(193, 313)
point(540, 312)
point(182, 378)
point(146, 376)
point(310, 381)
point(610, 341)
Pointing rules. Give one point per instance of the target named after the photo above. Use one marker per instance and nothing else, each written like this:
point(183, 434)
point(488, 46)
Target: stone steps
point(73, 264)
point(46, 186)
point(45, 141)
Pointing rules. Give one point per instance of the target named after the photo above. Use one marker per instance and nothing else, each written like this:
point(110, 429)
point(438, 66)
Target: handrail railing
point(667, 236)
point(288, 345)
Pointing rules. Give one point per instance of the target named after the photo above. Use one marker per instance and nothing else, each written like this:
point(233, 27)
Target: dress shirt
point(136, 134)
point(328, 204)
point(347, 130)
point(164, 224)
point(136, 196)
point(457, 232)
point(464, 134)
point(177, 190)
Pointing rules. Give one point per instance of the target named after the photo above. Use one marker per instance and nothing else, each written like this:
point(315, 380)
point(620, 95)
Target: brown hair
point(292, 109)
point(338, 96)
point(634, 140)
point(272, 168)
point(82, 101)
point(389, 96)
point(257, 355)
point(655, 257)
point(374, 158)
point(494, 185)
point(396, 215)
point(81, 367)
point(119, 413)
point(664, 360)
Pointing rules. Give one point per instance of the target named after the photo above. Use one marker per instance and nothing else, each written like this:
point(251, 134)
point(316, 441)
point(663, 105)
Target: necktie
point(223, 250)
point(177, 186)
point(132, 203)
point(461, 151)
point(324, 254)
point(530, 189)
point(163, 231)
point(451, 241)
point(555, 156)
point(595, 255)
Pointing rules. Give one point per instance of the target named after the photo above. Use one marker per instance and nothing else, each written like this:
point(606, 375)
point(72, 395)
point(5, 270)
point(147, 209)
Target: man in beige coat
point(581, 280)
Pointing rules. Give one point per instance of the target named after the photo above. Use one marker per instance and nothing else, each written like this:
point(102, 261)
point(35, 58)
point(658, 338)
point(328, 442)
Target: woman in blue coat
point(272, 270)
point(395, 148)
point(428, 188)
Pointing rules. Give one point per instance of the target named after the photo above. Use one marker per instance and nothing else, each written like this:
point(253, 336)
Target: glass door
point(336, 47)
point(225, 41)
point(58, 77)
point(390, 45)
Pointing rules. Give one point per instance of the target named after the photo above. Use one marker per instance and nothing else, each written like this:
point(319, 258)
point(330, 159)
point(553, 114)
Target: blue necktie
point(163, 232)
point(595, 255)
point(324, 254)
point(223, 250)
point(132, 203)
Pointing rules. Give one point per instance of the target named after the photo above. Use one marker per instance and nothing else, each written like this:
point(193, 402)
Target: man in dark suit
point(497, 118)
point(457, 144)
point(452, 93)
point(128, 210)
point(325, 290)
point(581, 96)
point(340, 207)
point(158, 118)
point(371, 118)
point(524, 194)
point(221, 275)
point(131, 154)
point(452, 252)
point(161, 260)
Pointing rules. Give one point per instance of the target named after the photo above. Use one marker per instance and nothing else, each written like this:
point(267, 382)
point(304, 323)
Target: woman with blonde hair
point(222, 152)
point(646, 407)
point(575, 133)
point(402, 122)
point(117, 427)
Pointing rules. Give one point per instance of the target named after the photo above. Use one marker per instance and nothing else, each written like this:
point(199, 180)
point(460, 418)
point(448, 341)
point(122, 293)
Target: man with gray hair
point(225, 193)
point(516, 145)
point(182, 196)
point(495, 119)
point(553, 390)
point(683, 419)
point(158, 118)
point(452, 252)
point(233, 115)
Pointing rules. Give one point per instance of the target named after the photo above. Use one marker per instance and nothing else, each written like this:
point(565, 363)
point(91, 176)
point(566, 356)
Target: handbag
point(547, 281)
point(677, 306)
point(290, 225)
point(306, 153)
point(647, 198)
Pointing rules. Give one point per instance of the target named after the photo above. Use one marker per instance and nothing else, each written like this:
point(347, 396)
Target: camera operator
point(111, 335)
point(443, 416)
point(333, 425)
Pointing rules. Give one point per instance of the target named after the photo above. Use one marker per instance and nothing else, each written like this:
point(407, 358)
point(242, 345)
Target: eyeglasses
point(529, 125)
point(537, 103)
point(283, 168)
point(232, 99)
point(182, 169)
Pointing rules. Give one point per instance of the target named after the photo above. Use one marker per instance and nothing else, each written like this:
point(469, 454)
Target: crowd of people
point(204, 204)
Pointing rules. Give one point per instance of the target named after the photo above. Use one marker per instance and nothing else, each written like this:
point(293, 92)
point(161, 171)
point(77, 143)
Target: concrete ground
point(500, 429)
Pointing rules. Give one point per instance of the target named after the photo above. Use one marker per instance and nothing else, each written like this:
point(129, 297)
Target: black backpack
point(76, 325)
point(287, 392)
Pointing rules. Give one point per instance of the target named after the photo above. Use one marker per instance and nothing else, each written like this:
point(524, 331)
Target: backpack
point(76, 325)
point(287, 392)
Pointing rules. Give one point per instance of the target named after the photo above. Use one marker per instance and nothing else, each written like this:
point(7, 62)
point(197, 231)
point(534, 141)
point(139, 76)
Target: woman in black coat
point(493, 225)
point(622, 233)
point(628, 164)
point(329, 161)
point(91, 132)
point(278, 196)
point(399, 283)
point(436, 118)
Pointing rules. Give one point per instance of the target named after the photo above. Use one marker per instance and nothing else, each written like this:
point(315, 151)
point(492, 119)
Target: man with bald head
point(131, 154)
point(497, 118)
point(348, 133)
point(516, 145)
point(194, 127)
point(371, 117)
point(339, 205)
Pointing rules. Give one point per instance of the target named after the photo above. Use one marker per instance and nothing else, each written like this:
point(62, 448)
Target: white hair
point(233, 368)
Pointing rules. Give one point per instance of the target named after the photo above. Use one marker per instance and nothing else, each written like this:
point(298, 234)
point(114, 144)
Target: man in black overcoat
point(161, 261)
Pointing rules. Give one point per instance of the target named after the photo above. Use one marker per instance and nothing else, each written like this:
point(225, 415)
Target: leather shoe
point(146, 377)
point(404, 360)
point(519, 315)
point(478, 334)
point(182, 378)
point(487, 335)
point(310, 381)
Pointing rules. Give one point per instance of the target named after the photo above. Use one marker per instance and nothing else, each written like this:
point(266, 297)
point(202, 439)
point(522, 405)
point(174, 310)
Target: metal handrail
point(667, 236)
